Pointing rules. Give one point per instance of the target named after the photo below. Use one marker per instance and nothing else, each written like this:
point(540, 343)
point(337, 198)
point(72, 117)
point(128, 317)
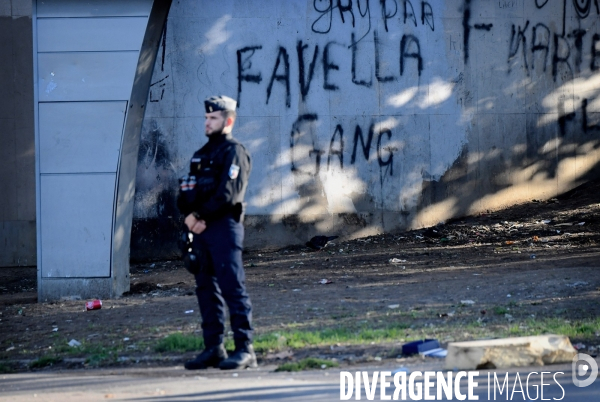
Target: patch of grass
point(343, 315)
point(299, 339)
point(309, 363)
point(515, 330)
point(98, 354)
point(179, 342)
point(574, 328)
point(45, 361)
point(499, 310)
point(5, 369)
point(97, 359)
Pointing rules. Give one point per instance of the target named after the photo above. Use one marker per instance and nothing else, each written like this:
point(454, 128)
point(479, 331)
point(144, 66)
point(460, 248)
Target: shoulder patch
point(234, 171)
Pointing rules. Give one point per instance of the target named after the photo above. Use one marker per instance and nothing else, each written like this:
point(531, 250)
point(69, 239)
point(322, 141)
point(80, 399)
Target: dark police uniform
point(220, 170)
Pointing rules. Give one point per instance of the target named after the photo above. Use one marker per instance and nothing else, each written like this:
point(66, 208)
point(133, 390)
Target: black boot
point(240, 359)
point(210, 357)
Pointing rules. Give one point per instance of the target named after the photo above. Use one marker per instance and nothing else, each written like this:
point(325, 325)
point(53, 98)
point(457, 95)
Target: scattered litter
point(532, 256)
point(467, 302)
point(125, 339)
point(581, 223)
point(295, 290)
point(509, 295)
point(319, 242)
point(509, 242)
point(54, 329)
point(189, 311)
point(546, 221)
point(420, 347)
point(281, 355)
point(8, 349)
point(152, 265)
point(325, 282)
point(158, 285)
point(396, 261)
point(432, 233)
point(93, 305)
point(577, 284)
point(73, 343)
point(579, 346)
point(437, 352)
point(393, 306)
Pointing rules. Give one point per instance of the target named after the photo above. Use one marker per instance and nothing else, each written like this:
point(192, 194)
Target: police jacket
point(217, 180)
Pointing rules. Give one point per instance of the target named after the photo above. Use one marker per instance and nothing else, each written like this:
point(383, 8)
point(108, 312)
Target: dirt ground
point(470, 278)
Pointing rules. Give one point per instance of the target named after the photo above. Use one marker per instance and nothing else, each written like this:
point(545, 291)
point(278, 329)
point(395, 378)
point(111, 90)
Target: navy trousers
point(221, 282)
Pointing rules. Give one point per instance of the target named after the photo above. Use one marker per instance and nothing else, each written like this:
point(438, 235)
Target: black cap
point(216, 103)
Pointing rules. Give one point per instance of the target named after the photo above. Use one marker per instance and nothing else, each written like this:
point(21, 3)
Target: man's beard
point(216, 132)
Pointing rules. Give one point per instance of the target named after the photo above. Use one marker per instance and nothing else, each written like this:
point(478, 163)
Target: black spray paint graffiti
point(409, 53)
point(350, 11)
point(467, 29)
point(544, 42)
point(582, 9)
point(303, 80)
point(305, 123)
point(152, 95)
point(285, 77)
point(564, 118)
point(245, 65)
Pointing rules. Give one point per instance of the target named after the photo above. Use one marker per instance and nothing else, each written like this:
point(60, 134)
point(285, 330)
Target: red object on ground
point(93, 305)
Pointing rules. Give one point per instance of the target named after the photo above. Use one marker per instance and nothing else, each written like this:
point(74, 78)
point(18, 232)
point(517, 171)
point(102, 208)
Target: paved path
point(262, 384)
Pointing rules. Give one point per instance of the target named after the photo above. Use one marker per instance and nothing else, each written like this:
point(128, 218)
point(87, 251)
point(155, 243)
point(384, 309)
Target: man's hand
point(194, 225)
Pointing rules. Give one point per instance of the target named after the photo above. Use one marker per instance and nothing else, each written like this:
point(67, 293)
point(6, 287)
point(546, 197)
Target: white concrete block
point(511, 352)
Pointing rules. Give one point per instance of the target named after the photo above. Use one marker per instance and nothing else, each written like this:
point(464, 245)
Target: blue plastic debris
point(421, 346)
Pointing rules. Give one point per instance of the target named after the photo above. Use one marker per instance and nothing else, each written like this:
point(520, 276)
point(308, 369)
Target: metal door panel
point(76, 225)
point(80, 137)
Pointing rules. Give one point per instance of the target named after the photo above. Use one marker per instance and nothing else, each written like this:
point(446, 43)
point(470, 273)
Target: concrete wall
point(368, 116)
point(17, 156)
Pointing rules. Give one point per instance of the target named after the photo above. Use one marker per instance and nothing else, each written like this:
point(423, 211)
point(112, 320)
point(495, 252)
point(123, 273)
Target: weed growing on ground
point(179, 342)
point(5, 369)
point(45, 361)
point(309, 363)
point(499, 310)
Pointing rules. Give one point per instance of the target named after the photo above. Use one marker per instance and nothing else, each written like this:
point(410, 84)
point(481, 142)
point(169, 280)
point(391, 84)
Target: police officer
point(211, 199)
